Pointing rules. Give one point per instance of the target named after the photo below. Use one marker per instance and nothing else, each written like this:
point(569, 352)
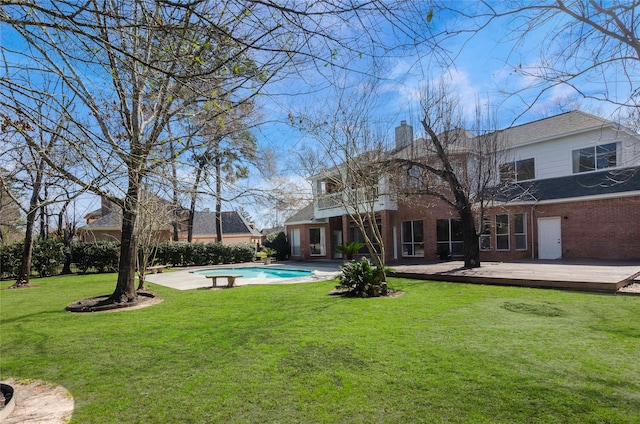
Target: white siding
point(553, 158)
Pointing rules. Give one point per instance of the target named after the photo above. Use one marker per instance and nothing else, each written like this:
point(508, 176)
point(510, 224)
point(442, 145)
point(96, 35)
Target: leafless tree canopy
point(577, 42)
point(140, 72)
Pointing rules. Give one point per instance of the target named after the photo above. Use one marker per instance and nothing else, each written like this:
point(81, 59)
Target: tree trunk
point(176, 205)
point(66, 235)
point(44, 231)
point(27, 252)
point(67, 238)
point(125, 291)
point(469, 238)
point(218, 166)
point(192, 207)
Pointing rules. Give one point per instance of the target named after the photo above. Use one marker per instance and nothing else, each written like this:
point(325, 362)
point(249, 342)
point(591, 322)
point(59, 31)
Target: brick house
point(105, 223)
point(569, 188)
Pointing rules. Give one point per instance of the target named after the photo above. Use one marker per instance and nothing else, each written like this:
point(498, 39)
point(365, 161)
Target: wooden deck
point(575, 275)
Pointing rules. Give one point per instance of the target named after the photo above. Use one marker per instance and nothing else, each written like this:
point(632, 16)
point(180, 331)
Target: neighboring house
point(103, 224)
point(570, 188)
point(106, 224)
point(235, 229)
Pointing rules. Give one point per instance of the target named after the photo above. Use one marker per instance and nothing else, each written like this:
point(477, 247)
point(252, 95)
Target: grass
point(440, 353)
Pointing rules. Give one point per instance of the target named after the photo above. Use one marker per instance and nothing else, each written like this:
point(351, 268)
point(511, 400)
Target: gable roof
point(204, 223)
point(304, 215)
point(110, 221)
point(554, 126)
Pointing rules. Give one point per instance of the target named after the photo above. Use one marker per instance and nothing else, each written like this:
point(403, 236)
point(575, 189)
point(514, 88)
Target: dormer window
point(596, 157)
point(520, 170)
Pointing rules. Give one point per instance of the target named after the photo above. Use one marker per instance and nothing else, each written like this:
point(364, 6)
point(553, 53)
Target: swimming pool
point(256, 272)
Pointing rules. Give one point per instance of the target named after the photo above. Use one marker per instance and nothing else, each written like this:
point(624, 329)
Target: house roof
point(574, 186)
point(204, 223)
point(554, 126)
point(304, 215)
point(110, 221)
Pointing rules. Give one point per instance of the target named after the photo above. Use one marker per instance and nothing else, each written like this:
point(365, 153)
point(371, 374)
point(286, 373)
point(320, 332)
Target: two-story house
point(569, 188)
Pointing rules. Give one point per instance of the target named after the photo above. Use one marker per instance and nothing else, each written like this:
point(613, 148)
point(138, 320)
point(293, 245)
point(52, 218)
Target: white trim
point(508, 234)
point(569, 199)
point(525, 234)
point(323, 245)
point(316, 221)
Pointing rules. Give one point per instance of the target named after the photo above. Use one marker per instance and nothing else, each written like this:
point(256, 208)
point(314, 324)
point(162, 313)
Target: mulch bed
point(102, 303)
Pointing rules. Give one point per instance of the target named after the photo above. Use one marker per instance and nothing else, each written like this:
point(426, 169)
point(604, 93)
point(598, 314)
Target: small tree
point(155, 218)
point(354, 152)
point(278, 242)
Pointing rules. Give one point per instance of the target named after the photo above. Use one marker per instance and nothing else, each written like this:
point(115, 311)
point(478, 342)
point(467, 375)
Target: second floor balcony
point(337, 204)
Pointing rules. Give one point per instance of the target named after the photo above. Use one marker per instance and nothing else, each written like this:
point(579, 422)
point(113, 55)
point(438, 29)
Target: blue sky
point(483, 69)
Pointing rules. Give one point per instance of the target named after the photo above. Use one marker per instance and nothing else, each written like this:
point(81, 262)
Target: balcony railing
point(337, 200)
point(329, 201)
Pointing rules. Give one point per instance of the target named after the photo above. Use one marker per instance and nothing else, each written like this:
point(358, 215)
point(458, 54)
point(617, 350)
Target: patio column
point(345, 229)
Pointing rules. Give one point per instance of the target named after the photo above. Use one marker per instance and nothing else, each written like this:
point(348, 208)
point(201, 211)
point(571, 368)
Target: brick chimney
point(404, 135)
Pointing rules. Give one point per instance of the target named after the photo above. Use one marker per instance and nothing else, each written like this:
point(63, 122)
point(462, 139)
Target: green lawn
point(442, 352)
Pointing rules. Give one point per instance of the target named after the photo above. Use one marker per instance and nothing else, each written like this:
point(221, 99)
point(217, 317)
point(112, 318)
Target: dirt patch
point(39, 402)
point(339, 292)
point(101, 304)
point(16, 286)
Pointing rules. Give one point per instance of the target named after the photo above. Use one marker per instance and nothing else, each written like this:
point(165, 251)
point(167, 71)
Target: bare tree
point(27, 138)
point(281, 197)
point(154, 223)
point(588, 45)
point(139, 67)
point(354, 151)
point(452, 164)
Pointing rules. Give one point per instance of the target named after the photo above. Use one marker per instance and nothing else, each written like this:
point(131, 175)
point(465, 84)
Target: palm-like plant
point(349, 249)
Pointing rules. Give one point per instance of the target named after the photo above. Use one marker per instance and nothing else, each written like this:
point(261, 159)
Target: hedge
point(47, 258)
point(103, 256)
point(198, 254)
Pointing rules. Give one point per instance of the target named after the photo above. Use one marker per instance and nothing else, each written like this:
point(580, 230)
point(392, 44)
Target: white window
point(294, 241)
point(316, 241)
point(520, 170)
point(449, 236)
point(502, 232)
point(596, 157)
point(520, 228)
point(485, 235)
point(412, 238)
point(414, 176)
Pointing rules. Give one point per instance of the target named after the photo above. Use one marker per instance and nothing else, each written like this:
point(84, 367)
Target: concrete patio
point(186, 279)
point(600, 276)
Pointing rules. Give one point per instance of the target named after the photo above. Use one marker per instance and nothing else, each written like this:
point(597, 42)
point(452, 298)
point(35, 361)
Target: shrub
point(278, 242)
point(350, 249)
point(170, 253)
point(244, 252)
point(186, 254)
point(10, 259)
point(48, 255)
point(102, 256)
point(362, 279)
point(196, 254)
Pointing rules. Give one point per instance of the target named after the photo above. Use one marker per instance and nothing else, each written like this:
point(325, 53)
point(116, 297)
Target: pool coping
point(186, 279)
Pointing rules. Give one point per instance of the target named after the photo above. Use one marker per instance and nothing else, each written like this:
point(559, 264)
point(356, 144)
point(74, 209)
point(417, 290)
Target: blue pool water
point(256, 272)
